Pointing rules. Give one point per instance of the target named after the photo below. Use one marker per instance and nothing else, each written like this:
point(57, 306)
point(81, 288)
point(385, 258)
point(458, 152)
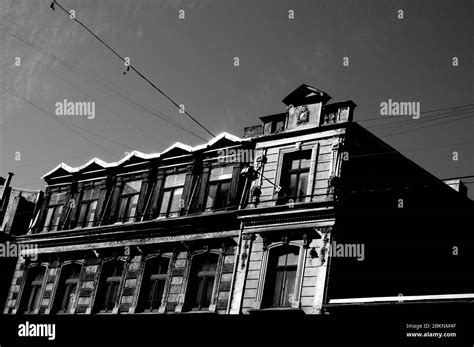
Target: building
point(307, 213)
point(17, 209)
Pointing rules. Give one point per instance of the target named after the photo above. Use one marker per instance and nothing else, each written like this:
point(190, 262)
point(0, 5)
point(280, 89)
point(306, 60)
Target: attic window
point(54, 210)
point(274, 126)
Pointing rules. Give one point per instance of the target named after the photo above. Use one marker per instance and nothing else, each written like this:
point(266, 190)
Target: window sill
point(277, 311)
point(198, 312)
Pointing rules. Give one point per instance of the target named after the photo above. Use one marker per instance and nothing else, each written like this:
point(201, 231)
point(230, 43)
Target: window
point(129, 201)
point(218, 188)
point(54, 209)
point(171, 201)
point(87, 210)
point(153, 284)
point(201, 282)
point(109, 285)
point(30, 299)
point(281, 276)
point(294, 176)
point(66, 292)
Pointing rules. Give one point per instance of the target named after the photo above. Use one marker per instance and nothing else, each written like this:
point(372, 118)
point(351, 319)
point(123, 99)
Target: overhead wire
point(101, 83)
point(132, 67)
point(61, 121)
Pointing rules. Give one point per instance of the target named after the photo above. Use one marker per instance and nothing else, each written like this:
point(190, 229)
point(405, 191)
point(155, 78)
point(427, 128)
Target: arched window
point(281, 276)
point(66, 292)
point(30, 298)
point(201, 282)
point(109, 284)
point(153, 284)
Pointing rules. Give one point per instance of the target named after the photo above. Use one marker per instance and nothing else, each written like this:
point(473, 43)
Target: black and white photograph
point(236, 172)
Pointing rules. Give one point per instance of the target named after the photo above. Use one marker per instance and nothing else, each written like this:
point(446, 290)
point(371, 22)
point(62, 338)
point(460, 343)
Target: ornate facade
point(198, 229)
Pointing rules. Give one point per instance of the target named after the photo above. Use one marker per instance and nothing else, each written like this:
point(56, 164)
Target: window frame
point(27, 287)
point(288, 173)
point(221, 179)
point(99, 307)
point(269, 289)
point(166, 278)
point(48, 219)
point(314, 147)
point(188, 306)
point(128, 196)
point(171, 189)
point(262, 281)
point(58, 285)
point(88, 201)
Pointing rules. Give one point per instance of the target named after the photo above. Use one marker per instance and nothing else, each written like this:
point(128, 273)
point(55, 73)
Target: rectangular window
point(171, 201)
point(201, 282)
point(108, 289)
point(294, 179)
point(30, 298)
point(65, 295)
point(87, 211)
point(281, 276)
point(54, 210)
point(218, 188)
point(153, 285)
point(128, 201)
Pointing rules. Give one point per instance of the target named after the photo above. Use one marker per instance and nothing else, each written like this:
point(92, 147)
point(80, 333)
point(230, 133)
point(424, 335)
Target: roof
point(178, 145)
point(306, 94)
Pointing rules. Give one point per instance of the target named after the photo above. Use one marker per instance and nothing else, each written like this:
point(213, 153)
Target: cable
point(76, 126)
point(430, 119)
point(426, 126)
point(430, 111)
point(103, 82)
point(56, 119)
point(134, 69)
point(410, 150)
point(89, 96)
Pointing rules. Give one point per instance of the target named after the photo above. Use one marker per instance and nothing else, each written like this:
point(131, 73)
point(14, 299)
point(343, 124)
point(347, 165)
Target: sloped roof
point(178, 145)
point(305, 94)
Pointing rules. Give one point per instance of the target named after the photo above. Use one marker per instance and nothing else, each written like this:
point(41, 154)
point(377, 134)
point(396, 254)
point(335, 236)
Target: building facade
point(18, 207)
point(237, 225)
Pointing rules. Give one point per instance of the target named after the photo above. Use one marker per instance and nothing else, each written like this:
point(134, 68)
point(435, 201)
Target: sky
point(401, 56)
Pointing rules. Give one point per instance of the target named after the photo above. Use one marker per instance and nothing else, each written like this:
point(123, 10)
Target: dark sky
point(407, 59)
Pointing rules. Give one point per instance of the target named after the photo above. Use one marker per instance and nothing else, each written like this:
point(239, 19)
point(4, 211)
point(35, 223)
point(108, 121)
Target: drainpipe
point(4, 195)
point(239, 243)
point(234, 271)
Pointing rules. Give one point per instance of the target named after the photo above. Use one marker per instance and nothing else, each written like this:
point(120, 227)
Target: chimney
point(457, 185)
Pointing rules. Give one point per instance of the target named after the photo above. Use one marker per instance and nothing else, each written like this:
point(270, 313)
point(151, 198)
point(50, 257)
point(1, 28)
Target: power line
point(62, 122)
point(422, 112)
point(426, 126)
point(430, 119)
point(102, 83)
point(410, 150)
point(89, 96)
point(134, 69)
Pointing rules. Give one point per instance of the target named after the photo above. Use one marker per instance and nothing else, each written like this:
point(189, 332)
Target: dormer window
point(273, 124)
point(171, 200)
point(88, 208)
point(54, 210)
point(129, 201)
point(218, 188)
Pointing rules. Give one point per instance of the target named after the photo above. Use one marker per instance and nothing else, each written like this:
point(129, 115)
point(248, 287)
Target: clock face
point(303, 115)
